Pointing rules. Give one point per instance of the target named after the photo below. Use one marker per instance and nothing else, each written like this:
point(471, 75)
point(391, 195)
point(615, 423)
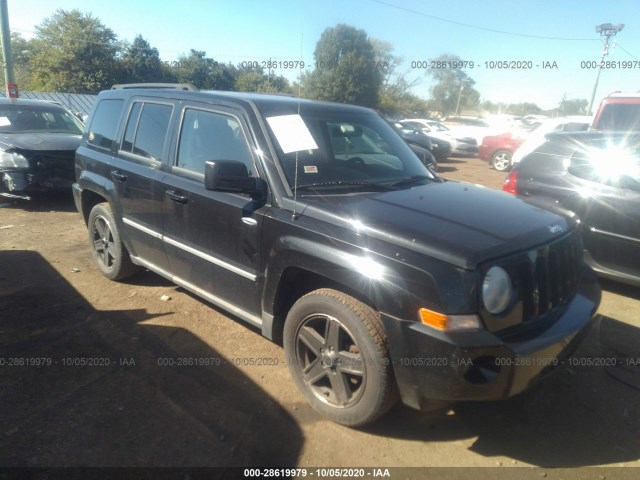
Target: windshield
point(438, 126)
point(355, 150)
point(18, 118)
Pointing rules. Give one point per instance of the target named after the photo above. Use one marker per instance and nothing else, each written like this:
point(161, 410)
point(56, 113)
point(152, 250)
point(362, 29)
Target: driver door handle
point(121, 177)
point(176, 197)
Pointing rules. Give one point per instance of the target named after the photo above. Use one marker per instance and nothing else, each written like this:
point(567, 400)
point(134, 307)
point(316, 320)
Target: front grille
point(549, 276)
point(545, 279)
point(51, 166)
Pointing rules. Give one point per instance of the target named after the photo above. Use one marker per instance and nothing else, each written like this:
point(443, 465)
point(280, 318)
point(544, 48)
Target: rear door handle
point(121, 177)
point(176, 197)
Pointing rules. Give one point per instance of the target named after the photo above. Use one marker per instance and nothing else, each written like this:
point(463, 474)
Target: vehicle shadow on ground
point(60, 201)
point(586, 413)
point(110, 397)
point(147, 278)
point(452, 160)
point(620, 288)
point(448, 165)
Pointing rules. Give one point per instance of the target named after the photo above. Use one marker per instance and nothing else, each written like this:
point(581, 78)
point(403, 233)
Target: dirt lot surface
point(86, 378)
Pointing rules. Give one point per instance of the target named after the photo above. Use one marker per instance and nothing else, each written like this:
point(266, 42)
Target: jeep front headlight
point(13, 160)
point(497, 291)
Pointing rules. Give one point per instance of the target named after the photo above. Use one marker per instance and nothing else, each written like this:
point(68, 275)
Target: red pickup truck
point(618, 112)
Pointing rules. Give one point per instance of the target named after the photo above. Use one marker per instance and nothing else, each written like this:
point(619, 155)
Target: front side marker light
point(449, 323)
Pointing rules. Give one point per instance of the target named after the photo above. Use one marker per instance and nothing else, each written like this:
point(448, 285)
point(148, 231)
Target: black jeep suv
point(318, 224)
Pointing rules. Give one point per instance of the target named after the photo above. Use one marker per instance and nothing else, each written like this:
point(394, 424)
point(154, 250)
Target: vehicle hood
point(459, 223)
point(39, 141)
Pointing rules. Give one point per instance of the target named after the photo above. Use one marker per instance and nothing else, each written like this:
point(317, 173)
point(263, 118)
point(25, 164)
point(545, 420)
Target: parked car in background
point(440, 148)
point(480, 128)
point(38, 140)
point(596, 177)
point(460, 145)
point(425, 156)
point(535, 138)
point(498, 149)
point(420, 143)
point(618, 112)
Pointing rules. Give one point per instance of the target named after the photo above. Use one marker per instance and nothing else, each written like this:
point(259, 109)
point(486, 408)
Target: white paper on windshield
point(292, 133)
point(4, 122)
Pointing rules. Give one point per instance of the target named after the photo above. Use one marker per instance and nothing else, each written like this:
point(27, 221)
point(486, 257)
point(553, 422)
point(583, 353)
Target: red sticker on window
point(310, 169)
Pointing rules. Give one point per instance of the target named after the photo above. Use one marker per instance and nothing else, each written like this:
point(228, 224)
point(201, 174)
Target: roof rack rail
point(175, 86)
point(280, 94)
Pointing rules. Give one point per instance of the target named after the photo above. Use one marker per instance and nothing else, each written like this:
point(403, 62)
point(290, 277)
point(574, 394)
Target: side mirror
point(229, 176)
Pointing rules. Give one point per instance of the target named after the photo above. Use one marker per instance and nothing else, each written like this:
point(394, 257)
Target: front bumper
point(465, 149)
point(77, 197)
point(484, 152)
point(431, 365)
point(32, 180)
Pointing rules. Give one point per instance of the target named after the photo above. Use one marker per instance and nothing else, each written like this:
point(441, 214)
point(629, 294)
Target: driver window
point(211, 136)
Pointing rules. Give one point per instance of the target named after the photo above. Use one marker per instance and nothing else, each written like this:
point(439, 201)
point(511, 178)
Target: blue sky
point(491, 30)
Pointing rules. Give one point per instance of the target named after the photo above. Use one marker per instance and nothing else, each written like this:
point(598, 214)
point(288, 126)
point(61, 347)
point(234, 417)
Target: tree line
point(75, 52)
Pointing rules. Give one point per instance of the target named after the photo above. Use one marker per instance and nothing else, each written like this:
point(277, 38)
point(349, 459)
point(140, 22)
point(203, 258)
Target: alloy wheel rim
point(502, 161)
point(330, 361)
point(103, 244)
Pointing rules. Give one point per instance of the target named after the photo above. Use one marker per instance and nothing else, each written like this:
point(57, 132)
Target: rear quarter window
point(102, 130)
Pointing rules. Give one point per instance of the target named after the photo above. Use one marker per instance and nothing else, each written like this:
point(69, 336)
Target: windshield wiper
point(410, 180)
point(346, 183)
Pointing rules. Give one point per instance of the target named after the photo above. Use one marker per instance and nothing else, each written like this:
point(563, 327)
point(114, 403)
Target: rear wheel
point(337, 354)
point(501, 160)
point(109, 253)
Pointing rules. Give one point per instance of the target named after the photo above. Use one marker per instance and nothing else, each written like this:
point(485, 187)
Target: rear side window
point(102, 131)
point(147, 129)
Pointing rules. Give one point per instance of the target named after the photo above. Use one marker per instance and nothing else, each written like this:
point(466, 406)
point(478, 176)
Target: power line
point(617, 44)
point(467, 25)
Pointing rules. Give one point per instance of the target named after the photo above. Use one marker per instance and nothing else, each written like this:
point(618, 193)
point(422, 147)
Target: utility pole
point(460, 95)
point(605, 30)
point(7, 53)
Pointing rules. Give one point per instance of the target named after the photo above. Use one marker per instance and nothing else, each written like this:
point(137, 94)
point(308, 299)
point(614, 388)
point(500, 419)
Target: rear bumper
point(431, 365)
point(465, 149)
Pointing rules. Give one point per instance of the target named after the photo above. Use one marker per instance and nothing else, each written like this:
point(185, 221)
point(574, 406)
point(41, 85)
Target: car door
point(211, 237)
point(137, 176)
point(609, 209)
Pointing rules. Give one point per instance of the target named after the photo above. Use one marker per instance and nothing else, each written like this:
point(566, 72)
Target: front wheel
point(109, 253)
point(501, 160)
point(338, 357)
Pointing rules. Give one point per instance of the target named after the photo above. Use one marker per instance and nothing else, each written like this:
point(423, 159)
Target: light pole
point(606, 30)
point(5, 35)
point(460, 95)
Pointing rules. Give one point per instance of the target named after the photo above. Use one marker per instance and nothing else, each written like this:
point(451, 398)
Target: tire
point(501, 160)
point(338, 357)
point(108, 252)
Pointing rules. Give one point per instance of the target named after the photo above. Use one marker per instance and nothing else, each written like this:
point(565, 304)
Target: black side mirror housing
point(229, 176)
